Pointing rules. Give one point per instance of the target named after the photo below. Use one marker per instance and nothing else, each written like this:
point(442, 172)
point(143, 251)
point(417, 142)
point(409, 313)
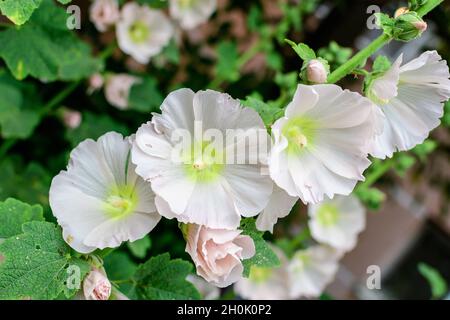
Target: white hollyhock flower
point(207, 290)
point(191, 13)
point(203, 188)
point(142, 32)
point(117, 89)
point(337, 222)
point(100, 201)
point(321, 144)
point(411, 97)
point(279, 206)
point(96, 285)
point(310, 271)
point(218, 253)
point(266, 283)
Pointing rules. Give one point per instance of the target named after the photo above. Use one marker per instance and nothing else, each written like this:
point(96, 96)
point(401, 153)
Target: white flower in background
point(100, 201)
point(192, 13)
point(411, 97)
point(207, 290)
point(310, 271)
point(142, 32)
point(117, 89)
point(218, 253)
point(337, 222)
point(203, 188)
point(279, 206)
point(96, 285)
point(266, 283)
point(321, 144)
point(104, 14)
point(71, 118)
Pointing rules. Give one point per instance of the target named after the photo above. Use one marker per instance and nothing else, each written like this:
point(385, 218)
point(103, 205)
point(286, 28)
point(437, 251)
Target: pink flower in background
point(104, 13)
point(71, 118)
point(218, 253)
point(117, 89)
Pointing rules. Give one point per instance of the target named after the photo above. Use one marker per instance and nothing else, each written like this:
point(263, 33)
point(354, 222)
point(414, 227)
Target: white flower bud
point(316, 72)
point(96, 286)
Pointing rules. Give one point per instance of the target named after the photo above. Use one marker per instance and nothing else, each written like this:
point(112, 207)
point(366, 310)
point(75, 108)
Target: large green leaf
point(38, 263)
point(46, 49)
point(19, 107)
point(14, 213)
point(163, 279)
point(19, 11)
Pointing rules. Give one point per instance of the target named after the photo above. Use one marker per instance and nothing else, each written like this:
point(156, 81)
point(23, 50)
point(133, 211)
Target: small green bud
point(408, 26)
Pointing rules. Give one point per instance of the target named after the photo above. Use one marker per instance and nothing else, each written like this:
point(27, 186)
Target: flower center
point(186, 4)
point(327, 215)
point(139, 32)
point(203, 162)
point(260, 275)
point(121, 202)
point(302, 259)
point(300, 133)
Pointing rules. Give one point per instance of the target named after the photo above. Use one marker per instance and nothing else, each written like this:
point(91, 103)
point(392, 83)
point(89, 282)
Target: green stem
point(428, 6)
point(379, 171)
point(4, 148)
point(373, 47)
point(358, 59)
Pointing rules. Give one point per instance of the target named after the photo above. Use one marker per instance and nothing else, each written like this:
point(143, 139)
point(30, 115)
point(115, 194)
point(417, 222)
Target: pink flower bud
point(104, 13)
point(218, 253)
point(71, 118)
point(421, 26)
point(316, 72)
point(96, 286)
point(95, 83)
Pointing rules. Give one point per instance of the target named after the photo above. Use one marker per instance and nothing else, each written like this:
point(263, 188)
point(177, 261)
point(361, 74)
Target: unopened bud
point(96, 286)
point(409, 26)
point(71, 118)
point(316, 72)
point(96, 82)
point(400, 11)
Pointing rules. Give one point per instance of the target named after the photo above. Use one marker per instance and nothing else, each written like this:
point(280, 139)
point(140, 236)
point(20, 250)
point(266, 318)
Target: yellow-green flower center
point(259, 275)
point(327, 215)
point(203, 162)
point(302, 259)
point(300, 133)
point(139, 32)
point(121, 202)
point(186, 4)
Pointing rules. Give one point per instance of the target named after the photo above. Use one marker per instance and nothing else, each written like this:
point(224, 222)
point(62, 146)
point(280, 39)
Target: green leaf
point(93, 126)
point(267, 112)
point(46, 49)
point(154, 3)
point(19, 107)
point(139, 248)
point(264, 256)
point(437, 283)
point(145, 96)
point(14, 213)
point(381, 64)
point(119, 267)
point(303, 51)
point(37, 264)
point(64, 1)
point(163, 279)
point(19, 11)
point(227, 68)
